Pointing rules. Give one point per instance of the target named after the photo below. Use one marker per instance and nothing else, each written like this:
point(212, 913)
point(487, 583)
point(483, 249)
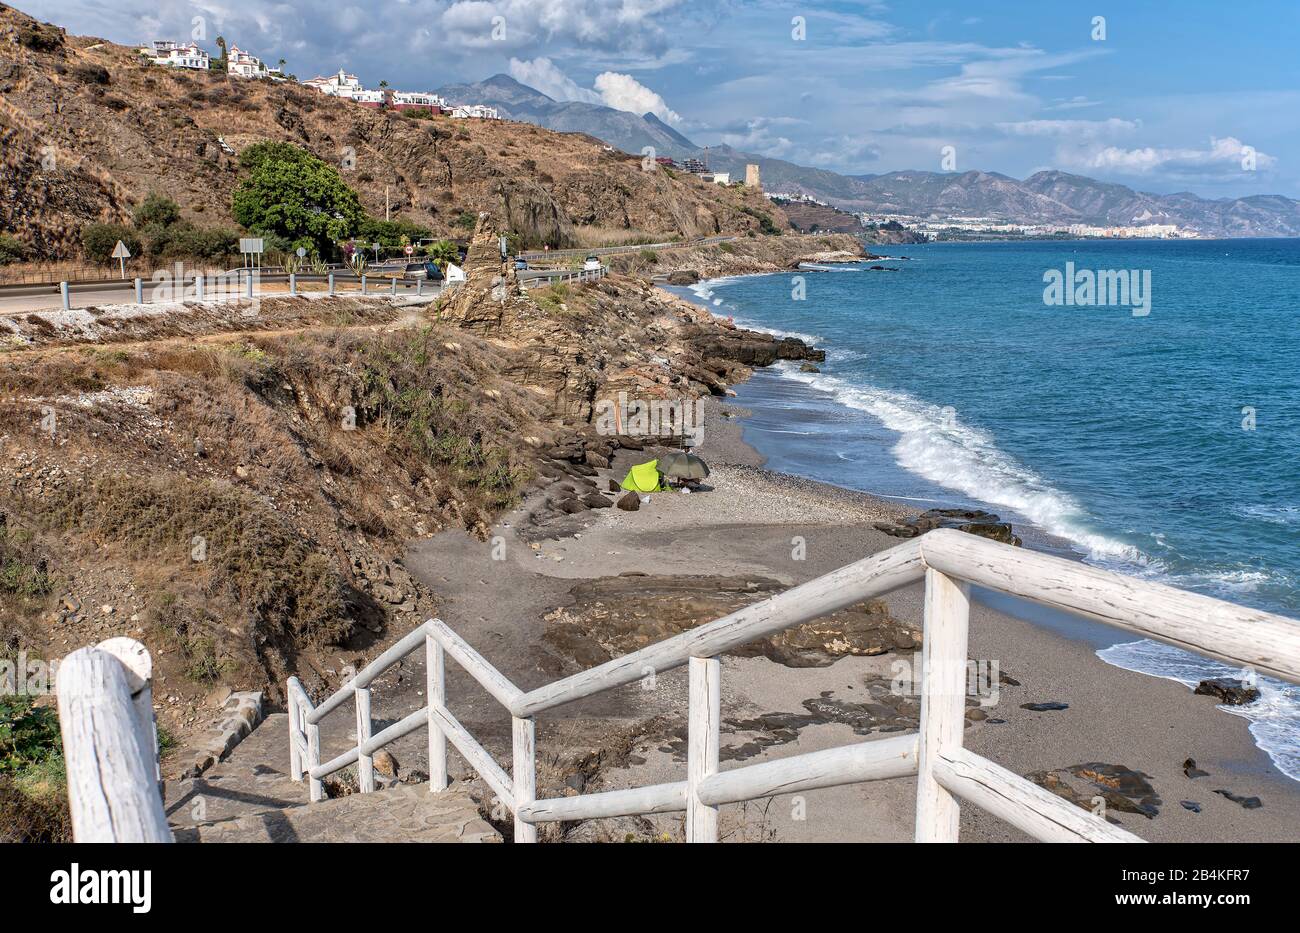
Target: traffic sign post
point(121, 254)
point(251, 248)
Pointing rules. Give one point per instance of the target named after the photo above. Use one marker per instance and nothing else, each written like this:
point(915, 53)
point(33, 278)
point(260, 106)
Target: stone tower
point(751, 176)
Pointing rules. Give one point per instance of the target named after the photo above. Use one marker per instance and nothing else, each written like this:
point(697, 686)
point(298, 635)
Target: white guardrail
point(949, 561)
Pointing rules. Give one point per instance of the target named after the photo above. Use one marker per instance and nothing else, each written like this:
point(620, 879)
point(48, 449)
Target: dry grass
point(592, 237)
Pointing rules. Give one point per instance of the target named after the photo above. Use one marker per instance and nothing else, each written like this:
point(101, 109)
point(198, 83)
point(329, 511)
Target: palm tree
point(221, 44)
point(383, 84)
point(442, 252)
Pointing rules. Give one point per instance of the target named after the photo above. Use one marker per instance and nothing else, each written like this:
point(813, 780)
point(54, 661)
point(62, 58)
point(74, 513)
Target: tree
point(290, 193)
point(222, 61)
point(442, 252)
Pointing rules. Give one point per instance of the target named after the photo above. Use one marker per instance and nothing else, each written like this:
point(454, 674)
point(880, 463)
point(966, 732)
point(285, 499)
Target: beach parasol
point(683, 466)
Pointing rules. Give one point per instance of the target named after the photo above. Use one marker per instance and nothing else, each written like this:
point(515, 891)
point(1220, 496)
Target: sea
point(1149, 424)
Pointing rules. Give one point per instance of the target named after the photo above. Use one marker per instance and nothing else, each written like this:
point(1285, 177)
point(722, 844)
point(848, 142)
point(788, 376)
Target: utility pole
point(386, 214)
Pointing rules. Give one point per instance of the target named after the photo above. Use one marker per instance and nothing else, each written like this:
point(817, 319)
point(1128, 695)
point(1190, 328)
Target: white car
point(591, 264)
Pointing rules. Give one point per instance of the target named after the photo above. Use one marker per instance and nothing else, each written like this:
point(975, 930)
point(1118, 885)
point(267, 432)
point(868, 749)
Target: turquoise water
point(1162, 445)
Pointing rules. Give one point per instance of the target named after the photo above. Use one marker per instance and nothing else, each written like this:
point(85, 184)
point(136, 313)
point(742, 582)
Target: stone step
point(404, 813)
point(254, 779)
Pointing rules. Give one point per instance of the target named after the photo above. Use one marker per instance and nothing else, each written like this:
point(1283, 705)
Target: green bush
point(29, 734)
point(467, 219)
point(11, 249)
point(157, 210)
point(98, 240)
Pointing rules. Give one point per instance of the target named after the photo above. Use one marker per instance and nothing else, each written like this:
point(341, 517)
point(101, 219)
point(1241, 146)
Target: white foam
point(935, 444)
point(1274, 717)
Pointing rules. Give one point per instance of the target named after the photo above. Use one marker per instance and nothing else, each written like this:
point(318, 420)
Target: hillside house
point(243, 64)
point(166, 52)
point(413, 100)
point(474, 112)
point(346, 86)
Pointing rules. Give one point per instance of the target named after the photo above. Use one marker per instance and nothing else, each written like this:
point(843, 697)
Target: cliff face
point(120, 130)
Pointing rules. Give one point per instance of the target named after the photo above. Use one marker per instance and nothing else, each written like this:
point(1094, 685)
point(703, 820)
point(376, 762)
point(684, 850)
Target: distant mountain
point(621, 129)
point(1048, 197)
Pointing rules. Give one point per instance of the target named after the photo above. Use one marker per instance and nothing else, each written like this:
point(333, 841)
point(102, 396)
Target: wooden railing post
point(317, 789)
point(365, 763)
point(702, 746)
point(110, 745)
point(524, 776)
point(943, 701)
point(295, 729)
point(436, 689)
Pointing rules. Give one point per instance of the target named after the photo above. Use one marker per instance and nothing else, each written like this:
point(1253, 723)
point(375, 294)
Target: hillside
point(88, 130)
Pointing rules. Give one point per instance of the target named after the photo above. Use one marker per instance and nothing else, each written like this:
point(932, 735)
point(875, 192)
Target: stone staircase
point(250, 797)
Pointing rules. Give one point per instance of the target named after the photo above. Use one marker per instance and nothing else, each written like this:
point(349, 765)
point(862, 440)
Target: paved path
point(250, 797)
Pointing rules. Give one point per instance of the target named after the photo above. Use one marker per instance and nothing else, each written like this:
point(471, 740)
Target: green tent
point(644, 477)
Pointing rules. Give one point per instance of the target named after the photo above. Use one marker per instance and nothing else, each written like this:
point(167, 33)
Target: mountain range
point(1047, 197)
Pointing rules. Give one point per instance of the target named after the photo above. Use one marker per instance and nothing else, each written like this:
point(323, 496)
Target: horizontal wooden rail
point(873, 576)
point(1028, 807)
point(656, 798)
point(400, 649)
point(1234, 634)
point(851, 764)
point(491, 679)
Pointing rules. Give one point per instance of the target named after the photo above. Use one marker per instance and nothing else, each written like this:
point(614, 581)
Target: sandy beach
point(1123, 736)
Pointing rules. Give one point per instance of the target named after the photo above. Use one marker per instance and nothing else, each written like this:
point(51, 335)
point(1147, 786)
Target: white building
point(339, 85)
point(241, 64)
point(474, 111)
point(166, 52)
point(408, 100)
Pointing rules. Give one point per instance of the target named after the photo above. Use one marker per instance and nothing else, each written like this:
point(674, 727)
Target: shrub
point(11, 249)
point(467, 219)
point(98, 240)
point(157, 209)
point(91, 74)
point(40, 37)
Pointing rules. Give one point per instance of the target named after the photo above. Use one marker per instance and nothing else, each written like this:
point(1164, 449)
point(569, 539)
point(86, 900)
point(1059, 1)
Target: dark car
point(423, 270)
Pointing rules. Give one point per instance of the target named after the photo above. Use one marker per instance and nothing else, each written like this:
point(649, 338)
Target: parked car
point(520, 264)
point(423, 270)
point(591, 264)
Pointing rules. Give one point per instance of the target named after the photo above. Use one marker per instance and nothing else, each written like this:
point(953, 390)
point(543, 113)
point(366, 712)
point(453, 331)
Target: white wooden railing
point(110, 743)
point(949, 561)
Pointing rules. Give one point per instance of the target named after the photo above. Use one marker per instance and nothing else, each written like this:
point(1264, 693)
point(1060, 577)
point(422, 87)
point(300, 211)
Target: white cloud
point(624, 92)
point(620, 91)
point(1079, 129)
point(543, 75)
point(1224, 155)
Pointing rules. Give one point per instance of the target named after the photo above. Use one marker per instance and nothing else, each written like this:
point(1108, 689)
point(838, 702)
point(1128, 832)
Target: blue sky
point(1188, 95)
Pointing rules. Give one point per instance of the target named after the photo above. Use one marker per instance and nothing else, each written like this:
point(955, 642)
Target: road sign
point(410, 250)
point(251, 244)
point(121, 254)
point(301, 251)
